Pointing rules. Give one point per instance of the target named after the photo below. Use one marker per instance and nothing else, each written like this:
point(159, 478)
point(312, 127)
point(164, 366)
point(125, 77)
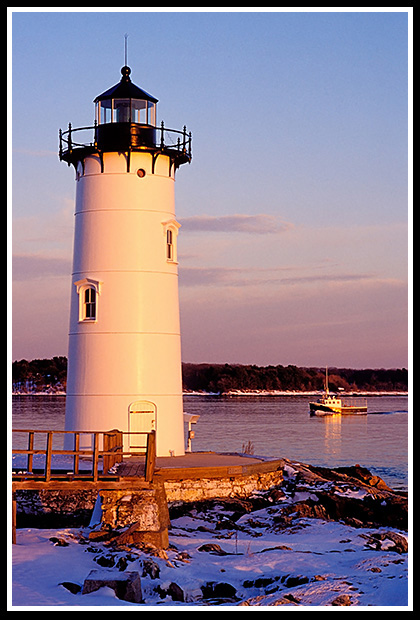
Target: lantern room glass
point(139, 111)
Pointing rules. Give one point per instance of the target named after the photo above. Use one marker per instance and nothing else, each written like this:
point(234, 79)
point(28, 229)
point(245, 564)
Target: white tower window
point(169, 244)
point(90, 303)
point(88, 291)
point(171, 233)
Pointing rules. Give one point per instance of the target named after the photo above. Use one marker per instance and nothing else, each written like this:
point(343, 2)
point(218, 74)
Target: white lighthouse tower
point(124, 357)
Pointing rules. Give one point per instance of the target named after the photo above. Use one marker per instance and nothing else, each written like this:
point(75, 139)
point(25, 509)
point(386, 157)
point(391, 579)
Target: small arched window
point(171, 233)
point(88, 291)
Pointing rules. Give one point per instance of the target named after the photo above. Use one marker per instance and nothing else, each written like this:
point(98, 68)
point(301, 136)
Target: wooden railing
point(105, 448)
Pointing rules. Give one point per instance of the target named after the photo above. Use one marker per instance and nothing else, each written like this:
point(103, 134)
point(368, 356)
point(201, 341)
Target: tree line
point(51, 374)
point(226, 377)
point(39, 374)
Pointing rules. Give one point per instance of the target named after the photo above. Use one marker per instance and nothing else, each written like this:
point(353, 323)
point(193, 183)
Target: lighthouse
point(124, 354)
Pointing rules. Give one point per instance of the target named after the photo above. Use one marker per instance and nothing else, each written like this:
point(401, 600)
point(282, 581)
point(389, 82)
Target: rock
point(183, 556)
point(218, 590)
point(59, 542)
point(296, 580)
point(290, 597)
point(277, 495)
point(226, 524)
point(261, 600)
point(74, 588)
point(343, 601)
point(107, 561)
point(280, 547)
point(388, 541)
point(122, 563)
point(370, 510)
point(102, 535)
point(173, 590)
point(260, 582)
point(213, 548)
point(127, 586)
point(363, 474)
point(357, 512)
point(307, 508)
point(150, 568)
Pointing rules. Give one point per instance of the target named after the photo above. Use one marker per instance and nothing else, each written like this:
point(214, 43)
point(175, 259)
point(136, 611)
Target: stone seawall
point(45, 508)
point(240, 486)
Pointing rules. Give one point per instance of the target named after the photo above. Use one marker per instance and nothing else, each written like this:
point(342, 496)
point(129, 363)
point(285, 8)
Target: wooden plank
point(81, 485)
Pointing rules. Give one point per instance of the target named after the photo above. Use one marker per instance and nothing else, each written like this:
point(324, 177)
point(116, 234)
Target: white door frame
point(140, 424)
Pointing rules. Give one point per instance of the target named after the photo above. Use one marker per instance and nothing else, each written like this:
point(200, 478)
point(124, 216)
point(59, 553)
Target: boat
point(330, 404)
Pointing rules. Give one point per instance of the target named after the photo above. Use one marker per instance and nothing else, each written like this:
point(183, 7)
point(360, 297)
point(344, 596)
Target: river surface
point(275, 426)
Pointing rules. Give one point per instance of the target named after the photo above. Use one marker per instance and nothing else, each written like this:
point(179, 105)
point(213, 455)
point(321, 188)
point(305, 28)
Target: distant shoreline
point(240, 394)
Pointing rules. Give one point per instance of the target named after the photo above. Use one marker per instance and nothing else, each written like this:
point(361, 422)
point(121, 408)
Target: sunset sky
point(296, 208)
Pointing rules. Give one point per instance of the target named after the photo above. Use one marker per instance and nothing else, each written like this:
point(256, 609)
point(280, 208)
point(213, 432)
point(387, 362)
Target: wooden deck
point(200, 465)
point(105, 465)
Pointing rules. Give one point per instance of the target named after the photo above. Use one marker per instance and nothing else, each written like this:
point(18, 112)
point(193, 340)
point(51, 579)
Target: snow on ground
point(311, 563)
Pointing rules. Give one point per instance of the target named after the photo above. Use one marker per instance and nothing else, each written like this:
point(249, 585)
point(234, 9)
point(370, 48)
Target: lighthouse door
point(142, 419)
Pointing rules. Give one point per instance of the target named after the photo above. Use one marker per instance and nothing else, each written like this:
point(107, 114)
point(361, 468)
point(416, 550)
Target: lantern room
point(125, 116)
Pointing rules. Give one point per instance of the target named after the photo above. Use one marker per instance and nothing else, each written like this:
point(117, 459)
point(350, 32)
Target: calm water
point(277, 427)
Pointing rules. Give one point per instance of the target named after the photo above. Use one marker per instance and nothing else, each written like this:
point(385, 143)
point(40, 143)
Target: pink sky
point(295, 211)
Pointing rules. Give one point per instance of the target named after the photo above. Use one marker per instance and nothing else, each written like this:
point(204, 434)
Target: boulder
point(336, 492)
point(106, 561)
point(295, 580)
point(218, 590)
point(127, 586)
point(364, 475)
point(343, 600)
point(212, 548)
point(150, 568)
point(173, 590)
point(58, 542)
point(388, 541)
point(74, 588)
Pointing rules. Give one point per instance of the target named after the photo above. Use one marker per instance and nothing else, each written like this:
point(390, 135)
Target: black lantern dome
point(126, 121)
point(125, 89)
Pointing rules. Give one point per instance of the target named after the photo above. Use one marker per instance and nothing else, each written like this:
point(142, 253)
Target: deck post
point(95, 459)
point(112, 443)
point(30, 448)
point(150, 456)
point(13, 517)
point(48, 456)
point(76, 456)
